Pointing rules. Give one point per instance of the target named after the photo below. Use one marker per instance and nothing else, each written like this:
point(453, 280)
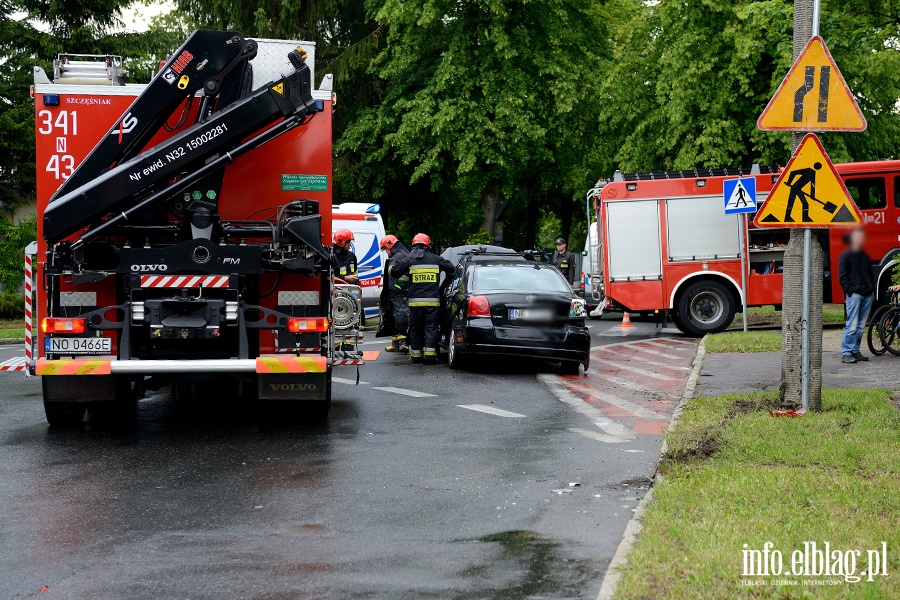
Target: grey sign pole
point(744, 267)
point(807, 243)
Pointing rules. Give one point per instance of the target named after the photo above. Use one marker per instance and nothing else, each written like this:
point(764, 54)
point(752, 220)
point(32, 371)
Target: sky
point(136, 17)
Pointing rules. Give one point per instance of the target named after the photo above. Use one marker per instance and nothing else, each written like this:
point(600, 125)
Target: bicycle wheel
point(874, 340)
point(889, 331)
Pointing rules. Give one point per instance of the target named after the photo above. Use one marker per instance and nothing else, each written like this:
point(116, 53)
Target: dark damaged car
point(500, 303)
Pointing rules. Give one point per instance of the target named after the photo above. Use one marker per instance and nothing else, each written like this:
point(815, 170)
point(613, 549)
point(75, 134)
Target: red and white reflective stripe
point(28, 317)
point(292, 350)
point(18, 363)
point(183, 281)
point(343, 362)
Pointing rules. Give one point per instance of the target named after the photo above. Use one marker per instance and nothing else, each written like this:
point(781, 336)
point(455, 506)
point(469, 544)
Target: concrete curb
point(634, 526)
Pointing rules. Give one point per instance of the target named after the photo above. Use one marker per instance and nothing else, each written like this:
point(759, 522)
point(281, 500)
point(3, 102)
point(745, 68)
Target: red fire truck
point(184, 229)
point(667, 245)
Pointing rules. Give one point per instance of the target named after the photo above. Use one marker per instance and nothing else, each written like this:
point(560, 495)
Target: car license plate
point(74, 345)
point(530, 314)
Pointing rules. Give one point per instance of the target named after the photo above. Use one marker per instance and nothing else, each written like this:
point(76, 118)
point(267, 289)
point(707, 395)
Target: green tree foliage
point(13, 239)
point(688, 80)
point(32, 33)
point(482, 98)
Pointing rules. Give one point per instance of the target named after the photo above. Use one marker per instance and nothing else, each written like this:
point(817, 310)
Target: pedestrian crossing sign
point(740, 195)
point(809, 193)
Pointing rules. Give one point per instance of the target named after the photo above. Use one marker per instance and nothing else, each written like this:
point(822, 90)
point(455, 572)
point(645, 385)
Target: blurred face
point(857, 239)
point(561, 247)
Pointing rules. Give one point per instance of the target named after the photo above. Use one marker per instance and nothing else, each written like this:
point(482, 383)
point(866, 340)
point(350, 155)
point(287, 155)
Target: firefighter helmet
point(421, 238)
point(387, 242)
point(342, 237)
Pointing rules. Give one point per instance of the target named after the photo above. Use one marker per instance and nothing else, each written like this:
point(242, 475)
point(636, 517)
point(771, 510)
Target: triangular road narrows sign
point(813, 97)
point(809, 193)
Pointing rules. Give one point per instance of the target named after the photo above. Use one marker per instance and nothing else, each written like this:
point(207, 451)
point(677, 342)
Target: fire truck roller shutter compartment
point(687, 216)
point(634, 244)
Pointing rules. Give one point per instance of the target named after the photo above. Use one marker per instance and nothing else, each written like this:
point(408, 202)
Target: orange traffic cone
point(626, 321)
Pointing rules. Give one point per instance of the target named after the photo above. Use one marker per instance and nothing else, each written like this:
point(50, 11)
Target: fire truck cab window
point(868, 192)
point(897, 192)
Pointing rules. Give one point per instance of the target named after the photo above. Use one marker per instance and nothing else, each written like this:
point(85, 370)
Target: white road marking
point(636, 387)
point(490, 410)
point(641, 371)
point(620, 333)
point(374, 342)
point(348, 381)
point(405, 392)
point(681, 341)
point(666, 365)
point(635, 409)
point(600, 437)
point(602, 422)
point(660, 344)
point(649, 351)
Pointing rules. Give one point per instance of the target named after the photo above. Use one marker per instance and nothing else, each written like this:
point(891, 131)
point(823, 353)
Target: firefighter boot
point(416, 356)
point(431, 356)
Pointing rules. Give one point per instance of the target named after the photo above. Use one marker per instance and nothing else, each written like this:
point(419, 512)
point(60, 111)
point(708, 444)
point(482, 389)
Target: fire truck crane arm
point(154, 176)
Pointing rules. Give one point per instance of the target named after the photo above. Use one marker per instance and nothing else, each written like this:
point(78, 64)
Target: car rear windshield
point(520, 278)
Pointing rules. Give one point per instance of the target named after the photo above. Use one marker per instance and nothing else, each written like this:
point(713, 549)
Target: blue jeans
point(857, 308)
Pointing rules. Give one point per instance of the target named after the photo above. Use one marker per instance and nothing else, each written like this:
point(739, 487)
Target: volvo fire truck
point(184, 229)
point(667, 245)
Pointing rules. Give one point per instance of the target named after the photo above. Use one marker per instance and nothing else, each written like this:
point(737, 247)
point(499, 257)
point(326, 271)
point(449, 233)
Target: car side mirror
point(584, 253)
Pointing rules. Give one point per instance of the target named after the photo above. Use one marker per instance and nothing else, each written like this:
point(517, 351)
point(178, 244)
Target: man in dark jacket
point(858, 283)
point(424, 269)
point(394, 302)
point(564, 261)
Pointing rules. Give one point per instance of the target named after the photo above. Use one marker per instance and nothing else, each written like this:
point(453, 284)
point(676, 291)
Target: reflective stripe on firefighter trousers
point(415, 353)
point(430, 352)
point(415, 302)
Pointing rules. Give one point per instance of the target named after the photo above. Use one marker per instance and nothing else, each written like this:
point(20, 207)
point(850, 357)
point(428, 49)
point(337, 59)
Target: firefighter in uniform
point(394, 295)
point(424, 268)
point(564, 261)
point(345, 258)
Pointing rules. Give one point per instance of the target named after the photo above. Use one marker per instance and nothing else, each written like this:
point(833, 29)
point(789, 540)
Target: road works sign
point(813, 96)
point(740, 195)
point(809, 193)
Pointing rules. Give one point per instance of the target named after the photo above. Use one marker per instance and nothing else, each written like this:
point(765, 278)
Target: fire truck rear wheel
point(64, 415)
point(706, 306)
point(318, 411)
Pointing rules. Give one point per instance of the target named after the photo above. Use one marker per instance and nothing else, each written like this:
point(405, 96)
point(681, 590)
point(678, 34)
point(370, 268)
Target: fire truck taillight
point(479, 307)
point(307, 324)
point(56, 325)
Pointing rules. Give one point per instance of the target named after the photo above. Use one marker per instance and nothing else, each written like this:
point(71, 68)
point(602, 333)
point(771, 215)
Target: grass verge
point(734, 475)
point(738, 341)
point(12, 333)
point(767, 315)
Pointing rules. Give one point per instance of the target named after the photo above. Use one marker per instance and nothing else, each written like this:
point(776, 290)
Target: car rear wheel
point(570, 368)
point(454, 356)
point(705, 307)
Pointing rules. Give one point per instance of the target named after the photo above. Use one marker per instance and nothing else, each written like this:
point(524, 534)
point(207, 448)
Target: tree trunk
point(532, 215)
point(791, 356)
point(489, 197)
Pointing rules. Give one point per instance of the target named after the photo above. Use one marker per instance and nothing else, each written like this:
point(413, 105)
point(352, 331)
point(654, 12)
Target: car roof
point(479, 252)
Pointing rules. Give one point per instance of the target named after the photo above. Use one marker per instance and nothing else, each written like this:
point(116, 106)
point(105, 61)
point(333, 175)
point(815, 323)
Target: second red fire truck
point(667, 246)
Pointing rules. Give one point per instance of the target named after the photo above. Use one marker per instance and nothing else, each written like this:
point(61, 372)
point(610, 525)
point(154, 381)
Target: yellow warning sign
point(809, 193)
point(813, 96)
point(278, 89)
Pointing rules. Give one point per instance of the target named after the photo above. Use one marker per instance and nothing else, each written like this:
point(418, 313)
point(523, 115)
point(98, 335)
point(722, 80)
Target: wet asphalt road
point(397, 496)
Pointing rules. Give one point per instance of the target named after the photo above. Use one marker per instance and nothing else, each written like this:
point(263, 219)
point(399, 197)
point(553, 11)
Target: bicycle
point(873, 336)
point(888, 326)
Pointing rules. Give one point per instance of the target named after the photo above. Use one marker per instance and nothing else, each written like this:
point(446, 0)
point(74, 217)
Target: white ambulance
point(364, 220)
